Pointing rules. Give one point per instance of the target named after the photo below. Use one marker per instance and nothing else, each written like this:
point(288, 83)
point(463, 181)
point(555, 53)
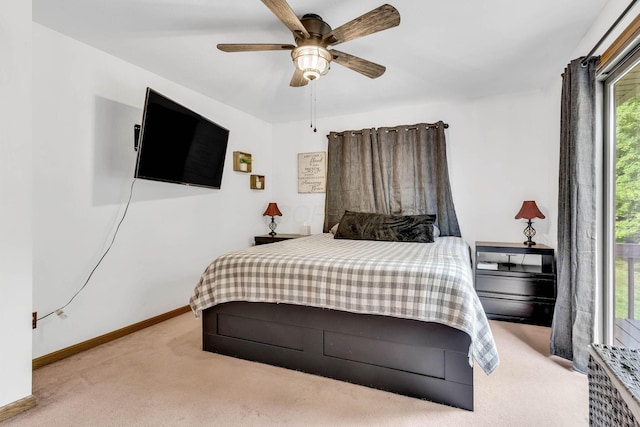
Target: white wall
point(15, 199)
point(86, 103)
point(501, 151)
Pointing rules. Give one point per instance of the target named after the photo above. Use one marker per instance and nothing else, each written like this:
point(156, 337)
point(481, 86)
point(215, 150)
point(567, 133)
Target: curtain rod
point(429, 125)
point(611, 28)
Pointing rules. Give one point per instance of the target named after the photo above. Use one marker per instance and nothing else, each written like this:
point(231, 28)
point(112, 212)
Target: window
point(622, 178)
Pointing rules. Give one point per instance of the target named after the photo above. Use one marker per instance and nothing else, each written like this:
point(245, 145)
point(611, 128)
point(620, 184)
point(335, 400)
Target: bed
point(402, 317)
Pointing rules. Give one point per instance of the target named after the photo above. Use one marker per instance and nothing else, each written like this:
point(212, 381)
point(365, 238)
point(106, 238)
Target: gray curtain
point(400, 171)
point(573, 318)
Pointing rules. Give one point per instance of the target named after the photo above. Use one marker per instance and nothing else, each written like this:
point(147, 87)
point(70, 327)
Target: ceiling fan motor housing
point(315, 25)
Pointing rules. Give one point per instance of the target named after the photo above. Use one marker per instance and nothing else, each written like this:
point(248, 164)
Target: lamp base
point(529, 232)
point(272, 227)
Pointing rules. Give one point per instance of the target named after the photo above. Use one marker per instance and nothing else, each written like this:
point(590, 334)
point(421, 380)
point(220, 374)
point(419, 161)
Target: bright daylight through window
point(623, 89)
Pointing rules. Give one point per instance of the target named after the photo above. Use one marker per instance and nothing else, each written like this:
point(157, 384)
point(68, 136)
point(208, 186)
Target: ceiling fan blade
point(382, 18)
point(254, 47)
point(362, 66)
point(283, 11)
point(298, 79)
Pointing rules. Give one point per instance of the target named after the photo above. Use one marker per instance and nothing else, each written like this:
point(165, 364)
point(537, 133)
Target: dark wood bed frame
point(409, 357)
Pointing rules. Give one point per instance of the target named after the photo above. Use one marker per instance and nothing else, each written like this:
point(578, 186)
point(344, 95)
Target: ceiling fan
point(312, 37)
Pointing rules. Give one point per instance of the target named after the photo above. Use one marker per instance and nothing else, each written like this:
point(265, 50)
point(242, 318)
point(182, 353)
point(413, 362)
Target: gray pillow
point(394, 228)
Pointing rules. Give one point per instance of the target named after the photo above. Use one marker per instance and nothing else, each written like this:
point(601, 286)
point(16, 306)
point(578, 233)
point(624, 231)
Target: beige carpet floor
point(160, 377)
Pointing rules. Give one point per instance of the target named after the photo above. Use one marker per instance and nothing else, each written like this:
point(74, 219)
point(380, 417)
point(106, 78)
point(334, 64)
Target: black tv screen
point(178, 145)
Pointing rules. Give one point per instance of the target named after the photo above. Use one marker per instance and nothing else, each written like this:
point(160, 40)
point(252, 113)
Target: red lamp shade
point(272, 210)
point(529, 210)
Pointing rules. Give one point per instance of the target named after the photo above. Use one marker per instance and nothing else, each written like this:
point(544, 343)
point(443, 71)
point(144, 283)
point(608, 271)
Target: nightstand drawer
point(535, 287)
point(538, 313)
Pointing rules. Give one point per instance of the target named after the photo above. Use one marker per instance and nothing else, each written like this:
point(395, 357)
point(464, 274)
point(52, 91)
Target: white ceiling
point(447, 50)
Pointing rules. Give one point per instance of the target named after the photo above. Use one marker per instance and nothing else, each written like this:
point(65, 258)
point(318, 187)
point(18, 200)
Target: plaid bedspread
point(422, 281)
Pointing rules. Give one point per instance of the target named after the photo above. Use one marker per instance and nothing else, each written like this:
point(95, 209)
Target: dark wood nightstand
point(266, 238)
point(516, 292)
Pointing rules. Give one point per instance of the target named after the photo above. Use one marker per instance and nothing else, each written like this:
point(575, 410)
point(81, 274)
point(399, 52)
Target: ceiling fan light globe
point(313, 61)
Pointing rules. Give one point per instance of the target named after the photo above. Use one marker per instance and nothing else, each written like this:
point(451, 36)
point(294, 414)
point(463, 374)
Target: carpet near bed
point(160, 376)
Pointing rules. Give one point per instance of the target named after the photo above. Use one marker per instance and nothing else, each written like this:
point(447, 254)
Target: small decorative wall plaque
point(312, 172)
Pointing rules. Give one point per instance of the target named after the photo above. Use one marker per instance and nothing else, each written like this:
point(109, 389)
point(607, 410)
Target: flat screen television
point(178, 145)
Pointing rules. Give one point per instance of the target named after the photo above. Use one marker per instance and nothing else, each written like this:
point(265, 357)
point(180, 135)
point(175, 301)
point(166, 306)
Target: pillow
point(393, 228)
point(334, 229)
point(436, 231)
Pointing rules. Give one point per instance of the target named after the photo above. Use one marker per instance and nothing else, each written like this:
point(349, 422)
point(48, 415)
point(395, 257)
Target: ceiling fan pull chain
point(311, 86)
point(314, 105)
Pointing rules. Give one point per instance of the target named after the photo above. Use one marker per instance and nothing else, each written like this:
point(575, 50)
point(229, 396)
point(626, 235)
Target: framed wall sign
point(312, 172)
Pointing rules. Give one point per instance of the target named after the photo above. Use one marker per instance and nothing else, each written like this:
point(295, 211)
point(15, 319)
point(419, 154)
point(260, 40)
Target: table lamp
point(528, 211)
point(272, 211)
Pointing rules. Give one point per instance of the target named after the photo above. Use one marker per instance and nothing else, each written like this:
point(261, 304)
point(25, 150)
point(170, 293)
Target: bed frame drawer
point(272, 333)
point(411, 358)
